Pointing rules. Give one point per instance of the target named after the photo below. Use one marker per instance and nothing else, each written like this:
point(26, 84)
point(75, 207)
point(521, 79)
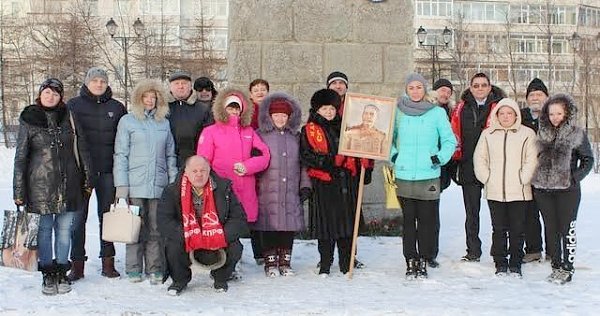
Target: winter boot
point(411, 269)
point(108, 268)
point(285, 262)
point(175, 288)
point(422, 269)
point(76, 272)
point(221, 286)
point(49, 282)
point(515, 271)
point(565, 274)
point(501, 266)
point(271, 263)
point(63, 284)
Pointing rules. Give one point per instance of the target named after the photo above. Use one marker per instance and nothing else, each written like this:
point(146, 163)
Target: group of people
point(206, 168)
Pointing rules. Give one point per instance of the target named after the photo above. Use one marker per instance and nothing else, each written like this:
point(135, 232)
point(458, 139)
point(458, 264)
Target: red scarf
point(209, 235)
point(318, 141)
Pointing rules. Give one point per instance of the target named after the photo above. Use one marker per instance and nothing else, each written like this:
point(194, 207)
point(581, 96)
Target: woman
point(50, 176)
point(259, 89)
point(234, 149)
point(422, 143)
point(144, 164)
point(565, 158)
point(283, 186)
point(504, 161)
point(334, 179)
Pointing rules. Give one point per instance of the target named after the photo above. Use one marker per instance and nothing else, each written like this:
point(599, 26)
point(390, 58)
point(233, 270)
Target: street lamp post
point(125, 42)
point(446, 37)
point(585, 47)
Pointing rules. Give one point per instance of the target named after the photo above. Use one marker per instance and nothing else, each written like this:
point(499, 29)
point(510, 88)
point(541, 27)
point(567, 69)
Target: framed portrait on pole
point(367, 126)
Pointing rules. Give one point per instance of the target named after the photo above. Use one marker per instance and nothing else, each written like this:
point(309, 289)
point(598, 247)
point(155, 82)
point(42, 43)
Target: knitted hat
point(180, 74)
point(442, 83)
point(325, 97)
point(280, 106)
point(233, 99)
point(54, 85)
point(536, 85)
point(95, 72)
point(337, 75)
point(204, 83)
point(416, 77)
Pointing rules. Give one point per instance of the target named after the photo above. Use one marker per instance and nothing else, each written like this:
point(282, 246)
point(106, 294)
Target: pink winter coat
point(231, 140)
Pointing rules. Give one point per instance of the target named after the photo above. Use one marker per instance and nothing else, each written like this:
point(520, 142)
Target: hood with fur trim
point(495, 123)
point(137, 106)
point(265, 123)
point(218, 109)
point(547, 131)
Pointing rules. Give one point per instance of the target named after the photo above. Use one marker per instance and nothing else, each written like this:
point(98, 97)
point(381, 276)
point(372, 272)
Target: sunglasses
point(476, 85)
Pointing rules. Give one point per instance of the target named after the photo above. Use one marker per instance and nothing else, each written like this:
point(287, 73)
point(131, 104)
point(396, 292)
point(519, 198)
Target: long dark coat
point(279, 207)
point(332, 206)
point(46, 175)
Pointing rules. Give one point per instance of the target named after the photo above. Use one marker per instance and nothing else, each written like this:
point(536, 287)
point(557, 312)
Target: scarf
point(412, 108)
point(318, 142)
point(209, 234)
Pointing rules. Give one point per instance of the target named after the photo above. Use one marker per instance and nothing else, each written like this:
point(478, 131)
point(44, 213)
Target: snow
point(379, 289)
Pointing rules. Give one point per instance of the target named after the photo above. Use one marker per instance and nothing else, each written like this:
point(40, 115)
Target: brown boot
point(285, 262)
point(76, 271)
point(270, 263)
point(108, 268)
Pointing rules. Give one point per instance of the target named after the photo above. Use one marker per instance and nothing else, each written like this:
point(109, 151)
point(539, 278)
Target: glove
point(435, 161)
point(368, 176)
point(305, 194)
point(122, 193)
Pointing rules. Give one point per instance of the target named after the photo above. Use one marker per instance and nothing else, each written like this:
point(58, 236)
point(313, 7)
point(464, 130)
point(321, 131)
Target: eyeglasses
point(477, 85)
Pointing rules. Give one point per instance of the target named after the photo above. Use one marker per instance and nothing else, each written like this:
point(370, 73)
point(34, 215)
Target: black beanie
point(325, 97)
point(337, 75)
point(442, 83)
point(536, 85)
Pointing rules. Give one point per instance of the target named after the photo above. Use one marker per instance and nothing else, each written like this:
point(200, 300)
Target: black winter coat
point(187, 119)
point(46, 175)
point(98, 117)
point(229, 209)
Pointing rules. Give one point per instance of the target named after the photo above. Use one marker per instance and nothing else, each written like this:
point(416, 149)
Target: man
point(468, 119)
point(536, 95)
point(444, 91)
point(205, 89)
point(187, 115)
point(365, 137)
point(98, 114)
point(338, 82)
point(209, 194)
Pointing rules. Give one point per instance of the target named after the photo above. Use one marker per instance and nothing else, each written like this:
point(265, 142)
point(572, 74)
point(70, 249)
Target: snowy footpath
point(456, 288)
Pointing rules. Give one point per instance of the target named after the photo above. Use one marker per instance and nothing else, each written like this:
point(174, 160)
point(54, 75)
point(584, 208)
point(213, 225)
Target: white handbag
point(121, 224)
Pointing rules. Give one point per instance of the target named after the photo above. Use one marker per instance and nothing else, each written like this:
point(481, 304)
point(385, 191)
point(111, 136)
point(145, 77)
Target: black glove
point(394, 157)
point(435, 161)
point(368, 176)
point(305, 194)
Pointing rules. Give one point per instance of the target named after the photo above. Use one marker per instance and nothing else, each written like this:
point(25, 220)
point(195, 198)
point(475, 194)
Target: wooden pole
point(356, 220)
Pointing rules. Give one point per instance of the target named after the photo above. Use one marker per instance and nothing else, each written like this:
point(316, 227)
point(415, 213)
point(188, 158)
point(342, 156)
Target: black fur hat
point(208, 259)
point(325, 97)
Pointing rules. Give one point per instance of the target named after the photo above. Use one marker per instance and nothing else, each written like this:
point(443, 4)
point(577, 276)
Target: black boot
point(422, 269)
point(63, 283)
point(49, 281)
point(411, 269)
point(501, 266)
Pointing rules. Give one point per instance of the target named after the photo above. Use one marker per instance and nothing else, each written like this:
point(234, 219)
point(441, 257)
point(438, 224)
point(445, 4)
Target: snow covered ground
point(456, 288)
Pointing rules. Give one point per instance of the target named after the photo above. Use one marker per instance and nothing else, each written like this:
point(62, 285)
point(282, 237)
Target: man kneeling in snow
point(201, 220)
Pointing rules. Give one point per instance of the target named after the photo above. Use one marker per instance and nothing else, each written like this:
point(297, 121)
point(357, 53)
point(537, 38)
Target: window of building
point(122, 8)
point(218, 39)
point(161, 7)
point(481, 11)
point(91, 7)
point(215, 8)
point(434, 8)
point(589, 16)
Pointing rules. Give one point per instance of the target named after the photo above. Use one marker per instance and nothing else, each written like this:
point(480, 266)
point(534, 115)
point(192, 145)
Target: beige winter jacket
point(506, 158)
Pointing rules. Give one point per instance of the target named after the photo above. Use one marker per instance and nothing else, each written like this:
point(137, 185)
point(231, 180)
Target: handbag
point(19, 240)
point(120, 224)
point(389, 185)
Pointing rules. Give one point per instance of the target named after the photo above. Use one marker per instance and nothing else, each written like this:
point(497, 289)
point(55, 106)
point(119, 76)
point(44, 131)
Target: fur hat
point(337, 75)
point(325, 97)
point(54, 85)
point(280, 106)
point(95, 72)
point(442, 83)
point(416, 77)
point(536, 85)
point(180, 74)
point(208, 259)
point(205, 83)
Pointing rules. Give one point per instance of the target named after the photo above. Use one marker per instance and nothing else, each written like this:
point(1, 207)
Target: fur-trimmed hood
point(265, 123)
point(137, 106)
point(495, 123)
point(218, 109)
point(547, 131)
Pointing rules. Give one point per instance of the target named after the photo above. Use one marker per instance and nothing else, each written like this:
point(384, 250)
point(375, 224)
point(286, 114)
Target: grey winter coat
point(144, 159)
point(279, 186)
point(565, 155)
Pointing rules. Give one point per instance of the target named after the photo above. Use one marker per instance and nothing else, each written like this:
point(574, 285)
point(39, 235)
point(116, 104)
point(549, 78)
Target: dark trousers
point(472, 200)
point(559, 210)
point(533, 229)
point(256, 241)
point(508, 222)
point(178, 261)
point(326, 248)
point(420, 220)
point(105, 194)
point(273, 240)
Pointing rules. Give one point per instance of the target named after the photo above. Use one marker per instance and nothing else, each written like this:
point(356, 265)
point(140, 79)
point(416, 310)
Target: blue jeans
point(61, 225)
